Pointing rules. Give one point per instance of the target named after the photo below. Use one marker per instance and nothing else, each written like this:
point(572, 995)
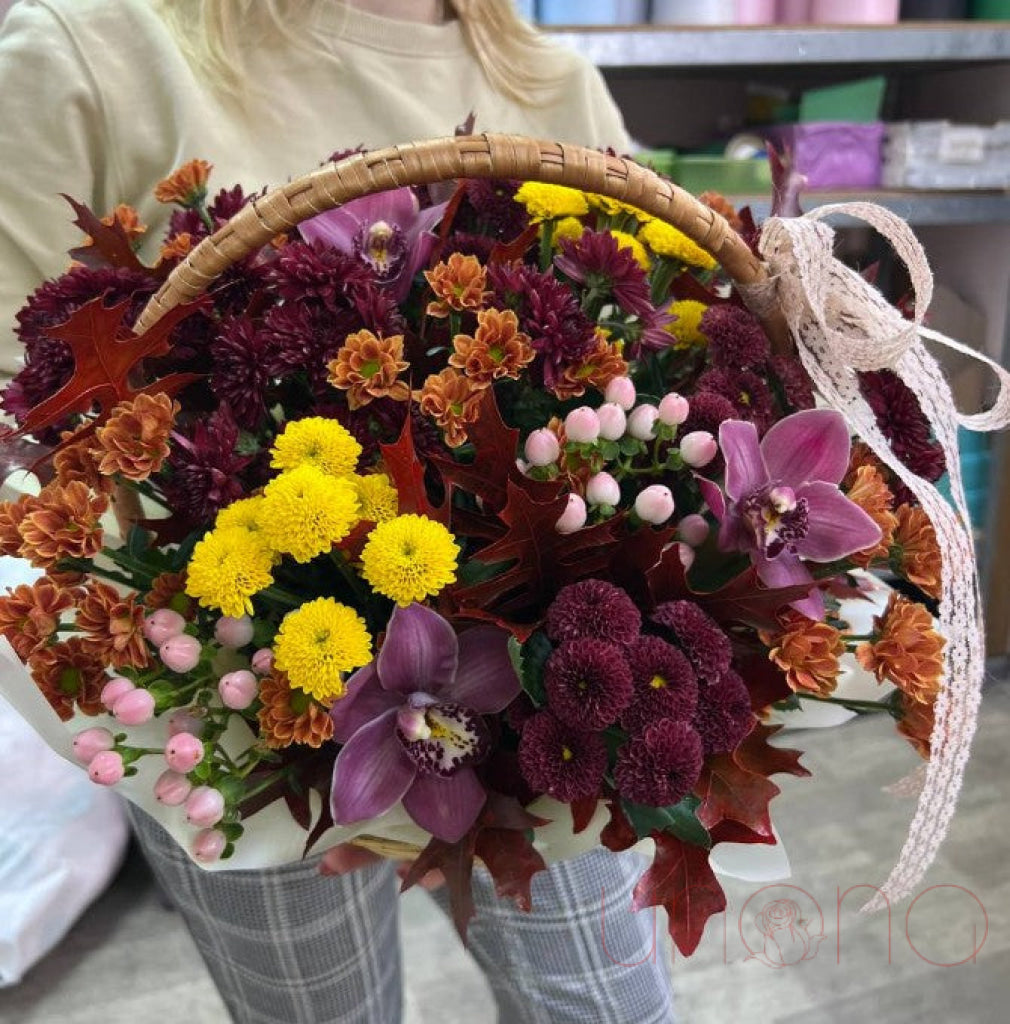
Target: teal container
point(976, 465)
point(991, 10)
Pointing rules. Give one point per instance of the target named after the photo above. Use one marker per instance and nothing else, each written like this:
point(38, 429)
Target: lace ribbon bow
point(842, 324)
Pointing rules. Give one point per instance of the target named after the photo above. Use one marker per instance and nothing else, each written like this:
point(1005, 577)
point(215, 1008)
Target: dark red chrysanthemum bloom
point(343, 154)
point(593, 608)
point(665, 684)
point(724, 716)
point(698, 635)
point(588, 683)
point(378, 310)
point(493, 202)
point(563, 762)
point(469, 244)
point(304, 337)
point(659, 766)
point(735, 339)
point(519, 712)
point(648, 334)
point(548, 312)
point(305, 271)
point(204, 469)
point(796, 384)
point(221, 208)
point(240, 376)
point(596, 261)
point(750, 396)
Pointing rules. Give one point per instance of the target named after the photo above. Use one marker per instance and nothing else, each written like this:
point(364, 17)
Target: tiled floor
point(130, 960)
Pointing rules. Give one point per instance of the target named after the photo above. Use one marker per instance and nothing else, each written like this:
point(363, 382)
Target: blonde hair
point(516, 59)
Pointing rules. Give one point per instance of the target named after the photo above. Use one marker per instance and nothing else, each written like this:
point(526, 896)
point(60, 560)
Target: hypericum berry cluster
point(612, 445)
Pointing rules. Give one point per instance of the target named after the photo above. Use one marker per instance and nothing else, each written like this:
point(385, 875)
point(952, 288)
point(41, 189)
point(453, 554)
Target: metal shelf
point(684, 46)
point(919, 208)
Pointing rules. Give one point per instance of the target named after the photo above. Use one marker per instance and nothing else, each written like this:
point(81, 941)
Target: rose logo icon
point(787, 935)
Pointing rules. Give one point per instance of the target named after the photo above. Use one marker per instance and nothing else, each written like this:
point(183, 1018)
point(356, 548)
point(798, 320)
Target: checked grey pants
point(289, 946)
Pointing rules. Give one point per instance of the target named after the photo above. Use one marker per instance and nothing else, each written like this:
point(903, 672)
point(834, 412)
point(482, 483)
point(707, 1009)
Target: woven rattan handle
point(472, 156)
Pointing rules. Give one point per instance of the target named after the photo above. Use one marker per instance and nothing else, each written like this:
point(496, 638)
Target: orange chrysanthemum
point(134, 440)
point(459, 284)
point(63, 522)
point(906, 649)
point(291, 716)
point(450, 399)
point(868, 490)
point(718, 202)
point(917, 551)
point(75, 462)
point(186, 186)
point(12, 514)
point(807, 651)
point(597, 370)
point(169, 591)
point(29, 614)
point(113, 626)
point(497, 349)
point(368, 366)
point(69, 674)
point(916, 723)
point(178, 247)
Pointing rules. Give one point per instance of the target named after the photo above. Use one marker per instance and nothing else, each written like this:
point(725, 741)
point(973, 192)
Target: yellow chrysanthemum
point(318, 643)
point(551, 202)
point(377, 497)
point(614, 207)
point(319, 442)
point(665, 240)
point(626, 241)
point(568, 227)
point(687, 327)
point(409, 558)
point(305, 512)
point(244, 514)
point(226, 568)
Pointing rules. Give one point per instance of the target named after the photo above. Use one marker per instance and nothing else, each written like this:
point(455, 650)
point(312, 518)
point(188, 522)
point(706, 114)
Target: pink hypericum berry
point(204, 806)
point(582, 425)
point(183, 752)
point(114, 689)
point(209, 845)
point(574, 516)
point(642, 422)
point(698, 448)
point(172, 789)
point(106, 768)
point(233, 633)
point(687, 555)
point(603, 489)
point(263, 661)
point(693, 529)
point(183, 721)
point(673, 409)
point(238, 689)
point(162, 625)
point(613, 421)
point(621, 391)
point(180, 653)
point(91, 742)
point(542, 448)
point(134, 707)
point(654, 504)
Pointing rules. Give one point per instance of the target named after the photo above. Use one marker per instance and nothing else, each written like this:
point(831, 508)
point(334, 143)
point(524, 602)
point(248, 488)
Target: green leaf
point(679, 820)
point(535, 653)
point(632, 446)
point(609, 450)
point(477, 572)
point(791, 703)
point(247, 444)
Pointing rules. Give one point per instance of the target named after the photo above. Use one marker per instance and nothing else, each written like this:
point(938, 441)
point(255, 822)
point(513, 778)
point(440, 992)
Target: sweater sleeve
point(52, 137)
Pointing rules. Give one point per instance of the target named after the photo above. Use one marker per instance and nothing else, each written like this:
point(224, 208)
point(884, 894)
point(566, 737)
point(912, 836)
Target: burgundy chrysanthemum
point(593, 608)
point(378, 310)
point(240, 375)
point(724, 716)
point(204, 469)
point(659, 766)
point(493, 202)
point(796, 384)
point(596, 261)
point(665, 684)
point(588, 683)
point(750, 396)
point(519, 712)
point(343, 154)
point(303, 337)
point(563, 762)
point(707, 647)
point(221, 208)
point(467, 243)
point(735, 339)
point(305, 271)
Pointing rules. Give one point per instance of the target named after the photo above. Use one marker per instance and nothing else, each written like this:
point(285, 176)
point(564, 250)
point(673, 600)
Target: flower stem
point(852, 705)
point(546, 243)
point(281, 596)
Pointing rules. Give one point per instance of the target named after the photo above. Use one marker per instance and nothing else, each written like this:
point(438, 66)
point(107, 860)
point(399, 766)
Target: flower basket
point(492, 529)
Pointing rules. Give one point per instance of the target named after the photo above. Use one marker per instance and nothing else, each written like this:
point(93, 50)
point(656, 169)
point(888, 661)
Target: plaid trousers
point(290, 946)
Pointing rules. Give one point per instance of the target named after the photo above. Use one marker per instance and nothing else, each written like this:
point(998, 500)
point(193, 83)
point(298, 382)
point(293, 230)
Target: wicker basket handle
point(471, 156)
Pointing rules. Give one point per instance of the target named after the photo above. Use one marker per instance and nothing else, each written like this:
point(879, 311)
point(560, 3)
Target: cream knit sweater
point(96, 101)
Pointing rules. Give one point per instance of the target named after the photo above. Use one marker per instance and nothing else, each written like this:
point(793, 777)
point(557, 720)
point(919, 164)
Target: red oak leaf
point(406, 472)
point(512, 861)
point(455, 861)
point(682, 881)
point(639, 552)
point(110, 244)
point(582, 813)
point(728, 791)
point(734, 832)
point(617, 834)
point(757, 755)
point(514, 251)
point(766, 682)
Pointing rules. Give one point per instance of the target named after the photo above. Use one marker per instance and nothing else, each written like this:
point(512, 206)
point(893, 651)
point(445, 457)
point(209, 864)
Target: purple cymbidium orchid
point(388, 231)
point(411, 723)
point(784, 505)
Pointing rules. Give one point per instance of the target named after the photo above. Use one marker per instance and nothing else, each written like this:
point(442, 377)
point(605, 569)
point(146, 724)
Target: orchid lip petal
point(447, 808)
point(420, 652)
point(363, 700)
point(745, 466)
point(810, 445)
point(371, 774)
point(784, 571)
point(838, 526)
point(486, 680)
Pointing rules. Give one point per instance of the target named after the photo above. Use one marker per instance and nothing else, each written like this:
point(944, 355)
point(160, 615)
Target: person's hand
point(342, 859)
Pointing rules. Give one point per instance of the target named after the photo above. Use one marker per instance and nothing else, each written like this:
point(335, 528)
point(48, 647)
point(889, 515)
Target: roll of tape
point(744, 147)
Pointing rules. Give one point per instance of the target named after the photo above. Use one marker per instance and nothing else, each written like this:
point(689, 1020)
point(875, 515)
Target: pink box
point(833, 154)
point(755, 12)
point(854, 12)
point(793, 12)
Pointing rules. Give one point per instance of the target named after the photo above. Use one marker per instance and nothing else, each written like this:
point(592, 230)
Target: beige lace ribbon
point(842, 324)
